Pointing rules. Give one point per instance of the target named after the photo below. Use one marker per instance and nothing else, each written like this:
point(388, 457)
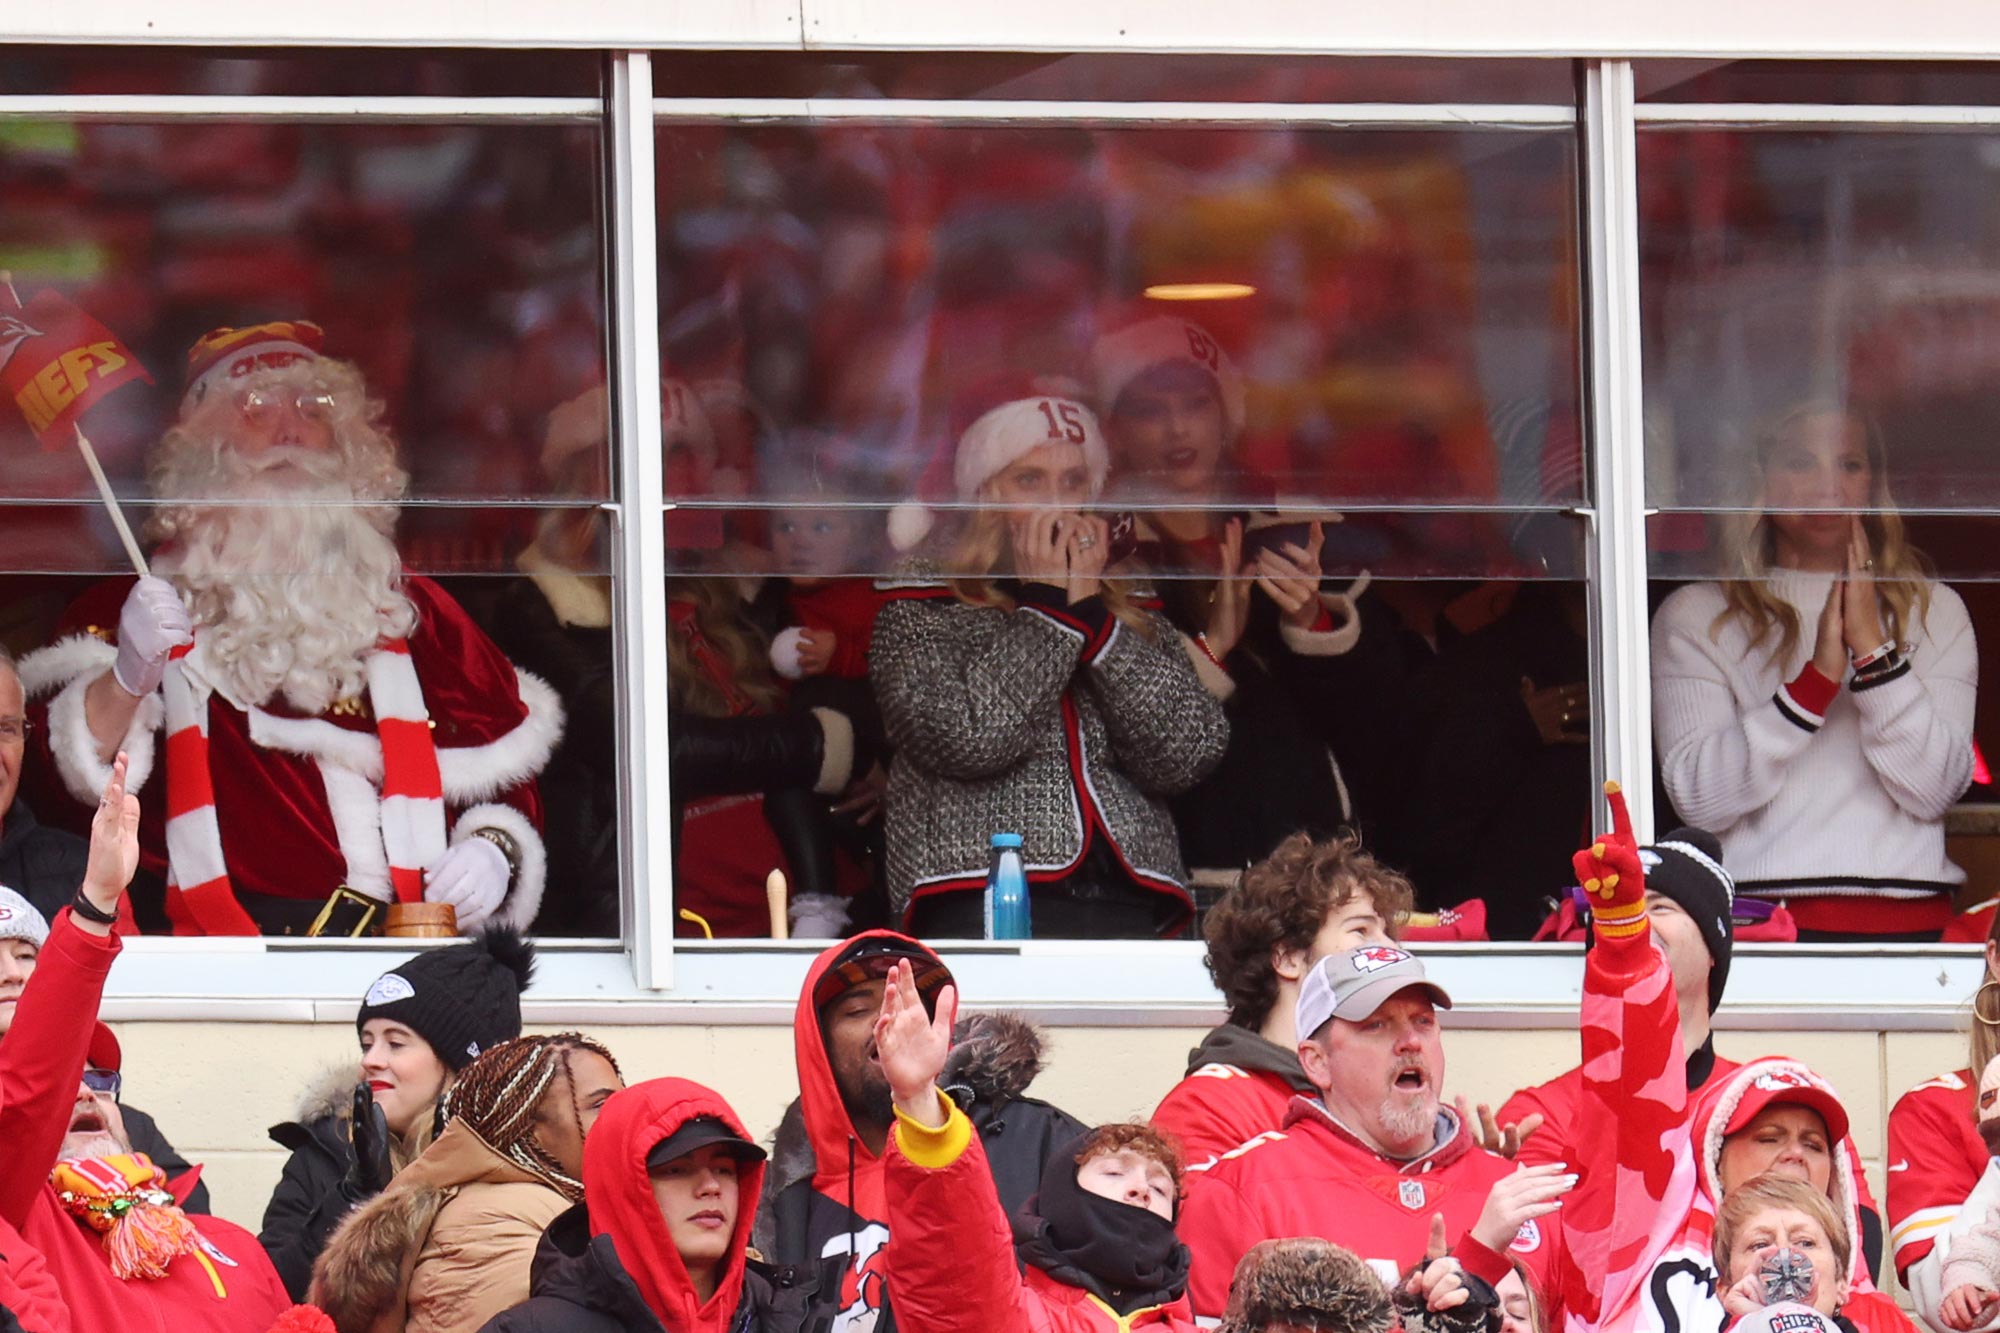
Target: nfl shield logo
point(1413, 1194)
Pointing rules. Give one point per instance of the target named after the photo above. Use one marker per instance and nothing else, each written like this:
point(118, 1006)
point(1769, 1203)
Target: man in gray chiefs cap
point(1376, 1162)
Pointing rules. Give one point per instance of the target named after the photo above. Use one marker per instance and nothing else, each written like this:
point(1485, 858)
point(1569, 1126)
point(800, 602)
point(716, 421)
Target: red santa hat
point(222, 355)
point(996, 439)
point(1125, 354)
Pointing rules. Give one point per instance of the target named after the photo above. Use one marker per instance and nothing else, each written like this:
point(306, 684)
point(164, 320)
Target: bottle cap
point(1006, 840)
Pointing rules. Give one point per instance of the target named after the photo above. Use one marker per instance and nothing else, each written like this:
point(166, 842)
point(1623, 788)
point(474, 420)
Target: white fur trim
point(1213, 678)
point(470, 772)
point(909, 524)
point(1013, 430)
point(582, 600)
point(836, 761)
point(355, 805)
point(530, 878)
point(1327, 643)
point(1122, 356)
point(360, 752)
point(78, 762)
point(482, 772)
point(785, 646)
point(63, 661)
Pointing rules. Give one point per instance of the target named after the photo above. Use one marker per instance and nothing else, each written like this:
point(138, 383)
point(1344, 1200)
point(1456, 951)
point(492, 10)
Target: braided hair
point(498, 1094)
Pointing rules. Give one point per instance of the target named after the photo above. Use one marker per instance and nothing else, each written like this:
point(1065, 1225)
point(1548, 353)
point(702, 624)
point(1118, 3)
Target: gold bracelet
point(508, 848)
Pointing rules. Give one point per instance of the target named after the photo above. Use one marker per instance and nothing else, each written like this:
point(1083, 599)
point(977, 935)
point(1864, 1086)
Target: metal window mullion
point(86, 107)
point(1622, 679)
point(1388, 115)
point(646, 801)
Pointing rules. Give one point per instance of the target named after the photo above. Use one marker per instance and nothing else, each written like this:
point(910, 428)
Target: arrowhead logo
point(13, 332)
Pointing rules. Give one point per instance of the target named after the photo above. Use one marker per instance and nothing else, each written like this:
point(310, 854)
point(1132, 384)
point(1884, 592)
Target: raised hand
point(1438, 1283)
point(911, 1045)
point(1229, 603)
point(1531, 1192)
point(152, 623)
point(1506, 1140)
point(1039, 538)
point(816, 650)
point(114, 843)
point(1861, 610)
point(1291, 578)
point(373, 1166)
point(1088, 548)
point(1830, 642)
point(1611, 874)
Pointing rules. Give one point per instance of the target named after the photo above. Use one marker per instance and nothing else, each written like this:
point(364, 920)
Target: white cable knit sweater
point(1849, 804)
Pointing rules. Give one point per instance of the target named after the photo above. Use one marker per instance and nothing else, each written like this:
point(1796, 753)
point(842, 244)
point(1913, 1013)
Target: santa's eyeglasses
point(260, 406)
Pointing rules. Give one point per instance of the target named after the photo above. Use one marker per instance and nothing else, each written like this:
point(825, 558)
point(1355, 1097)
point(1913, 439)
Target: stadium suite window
point(1820, 334)
point(1371, 329)
point(424, 300)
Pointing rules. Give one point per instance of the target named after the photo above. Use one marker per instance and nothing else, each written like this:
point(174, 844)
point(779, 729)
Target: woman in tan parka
point(449, 1243)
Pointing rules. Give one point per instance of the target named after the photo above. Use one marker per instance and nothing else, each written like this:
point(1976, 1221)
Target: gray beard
point(91, 1143)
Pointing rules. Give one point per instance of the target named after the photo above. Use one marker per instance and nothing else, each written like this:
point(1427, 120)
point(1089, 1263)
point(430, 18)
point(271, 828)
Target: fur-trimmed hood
point(368, 1278)
point(330, 1094)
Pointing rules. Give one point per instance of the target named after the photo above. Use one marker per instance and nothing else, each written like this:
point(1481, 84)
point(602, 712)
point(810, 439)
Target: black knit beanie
point(460, 998)
point(1686, 866)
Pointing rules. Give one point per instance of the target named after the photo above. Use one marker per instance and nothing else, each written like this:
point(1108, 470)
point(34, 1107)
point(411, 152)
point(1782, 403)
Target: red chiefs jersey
point(1314, 1178)
point(1220, 1107)
point(1935, 1158)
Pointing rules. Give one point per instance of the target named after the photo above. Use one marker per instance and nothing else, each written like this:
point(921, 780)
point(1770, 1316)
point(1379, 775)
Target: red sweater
point(847, 607)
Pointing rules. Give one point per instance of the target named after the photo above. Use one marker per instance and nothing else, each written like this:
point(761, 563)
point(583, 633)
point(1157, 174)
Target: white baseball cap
point(1353, 985)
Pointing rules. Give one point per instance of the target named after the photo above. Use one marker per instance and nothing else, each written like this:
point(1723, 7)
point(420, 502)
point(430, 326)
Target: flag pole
point(111, 506)
point(104, 490)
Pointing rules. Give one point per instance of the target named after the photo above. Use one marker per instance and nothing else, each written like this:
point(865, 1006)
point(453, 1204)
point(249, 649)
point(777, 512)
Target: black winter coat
point(579, 1285)
point(42, 864)
point(309, 1202)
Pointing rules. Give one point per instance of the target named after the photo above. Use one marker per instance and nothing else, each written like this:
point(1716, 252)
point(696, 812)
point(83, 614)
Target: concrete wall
point(215, 1087)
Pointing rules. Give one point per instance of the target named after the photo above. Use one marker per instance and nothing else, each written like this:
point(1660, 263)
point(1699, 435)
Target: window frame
point(648, 975)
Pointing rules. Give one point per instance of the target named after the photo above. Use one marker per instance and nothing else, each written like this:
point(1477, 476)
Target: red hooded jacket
point(835, 1206)
point(622, 1206)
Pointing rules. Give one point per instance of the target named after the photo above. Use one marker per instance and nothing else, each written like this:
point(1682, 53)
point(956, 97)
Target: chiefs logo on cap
point(1377, 958)
point(6, 912)
point(1796, 1321)
point(1780, 1080)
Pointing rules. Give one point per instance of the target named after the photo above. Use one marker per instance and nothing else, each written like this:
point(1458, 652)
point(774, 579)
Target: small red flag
point(56, 363)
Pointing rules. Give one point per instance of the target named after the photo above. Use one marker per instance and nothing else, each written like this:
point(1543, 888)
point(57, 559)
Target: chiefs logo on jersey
point(1377, 958)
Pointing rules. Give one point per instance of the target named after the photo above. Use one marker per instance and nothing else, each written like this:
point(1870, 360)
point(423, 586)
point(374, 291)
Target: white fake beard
point(291, 594)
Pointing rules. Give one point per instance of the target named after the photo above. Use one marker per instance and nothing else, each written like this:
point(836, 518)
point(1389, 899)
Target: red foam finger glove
point(1611, 875)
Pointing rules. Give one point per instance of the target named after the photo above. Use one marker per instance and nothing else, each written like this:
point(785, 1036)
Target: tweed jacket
point(1051, 720)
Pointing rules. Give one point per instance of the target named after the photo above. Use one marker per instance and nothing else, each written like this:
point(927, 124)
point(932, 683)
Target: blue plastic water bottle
point(1006, 891)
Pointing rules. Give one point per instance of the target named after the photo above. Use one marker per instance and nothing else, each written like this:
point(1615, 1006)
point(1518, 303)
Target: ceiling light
point(1200, 291)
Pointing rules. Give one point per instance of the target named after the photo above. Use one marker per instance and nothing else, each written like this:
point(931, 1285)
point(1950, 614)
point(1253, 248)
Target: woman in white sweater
point(1815, 710)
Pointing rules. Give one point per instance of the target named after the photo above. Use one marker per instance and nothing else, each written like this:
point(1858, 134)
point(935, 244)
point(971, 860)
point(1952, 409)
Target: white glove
point(152, 623)
point(472, 877)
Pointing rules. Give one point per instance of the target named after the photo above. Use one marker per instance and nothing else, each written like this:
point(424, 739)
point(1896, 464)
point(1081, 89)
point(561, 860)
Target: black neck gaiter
point(1128, 1257)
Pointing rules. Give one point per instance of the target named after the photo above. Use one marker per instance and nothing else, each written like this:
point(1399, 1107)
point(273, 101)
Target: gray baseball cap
point(1353, 985)
point(20, 921)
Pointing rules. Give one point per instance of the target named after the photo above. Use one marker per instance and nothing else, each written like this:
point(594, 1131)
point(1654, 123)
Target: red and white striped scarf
point(411, 793)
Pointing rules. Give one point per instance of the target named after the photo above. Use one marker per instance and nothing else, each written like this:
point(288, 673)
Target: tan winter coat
point(445, 1248)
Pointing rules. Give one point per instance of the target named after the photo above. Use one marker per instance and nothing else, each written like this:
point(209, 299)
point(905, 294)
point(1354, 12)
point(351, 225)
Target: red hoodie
point(622, 1206)
point(843, 1213)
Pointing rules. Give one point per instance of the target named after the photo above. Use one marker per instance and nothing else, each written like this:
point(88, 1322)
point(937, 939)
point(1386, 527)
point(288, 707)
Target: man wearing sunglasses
point(336, 734)
point(23, 932)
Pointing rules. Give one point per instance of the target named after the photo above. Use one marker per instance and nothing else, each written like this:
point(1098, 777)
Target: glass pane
point(1818, 326)
point(49, 70)
point(384, 535)
point(895, 350)
point(1111, 78)
point(459, 267)
point(1835, 82)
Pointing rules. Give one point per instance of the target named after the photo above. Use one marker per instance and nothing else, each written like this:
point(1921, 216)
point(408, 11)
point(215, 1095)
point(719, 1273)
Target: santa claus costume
point(332, 736)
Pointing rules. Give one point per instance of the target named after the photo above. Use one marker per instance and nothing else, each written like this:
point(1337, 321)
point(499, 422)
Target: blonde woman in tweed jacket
point(1025, 693)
